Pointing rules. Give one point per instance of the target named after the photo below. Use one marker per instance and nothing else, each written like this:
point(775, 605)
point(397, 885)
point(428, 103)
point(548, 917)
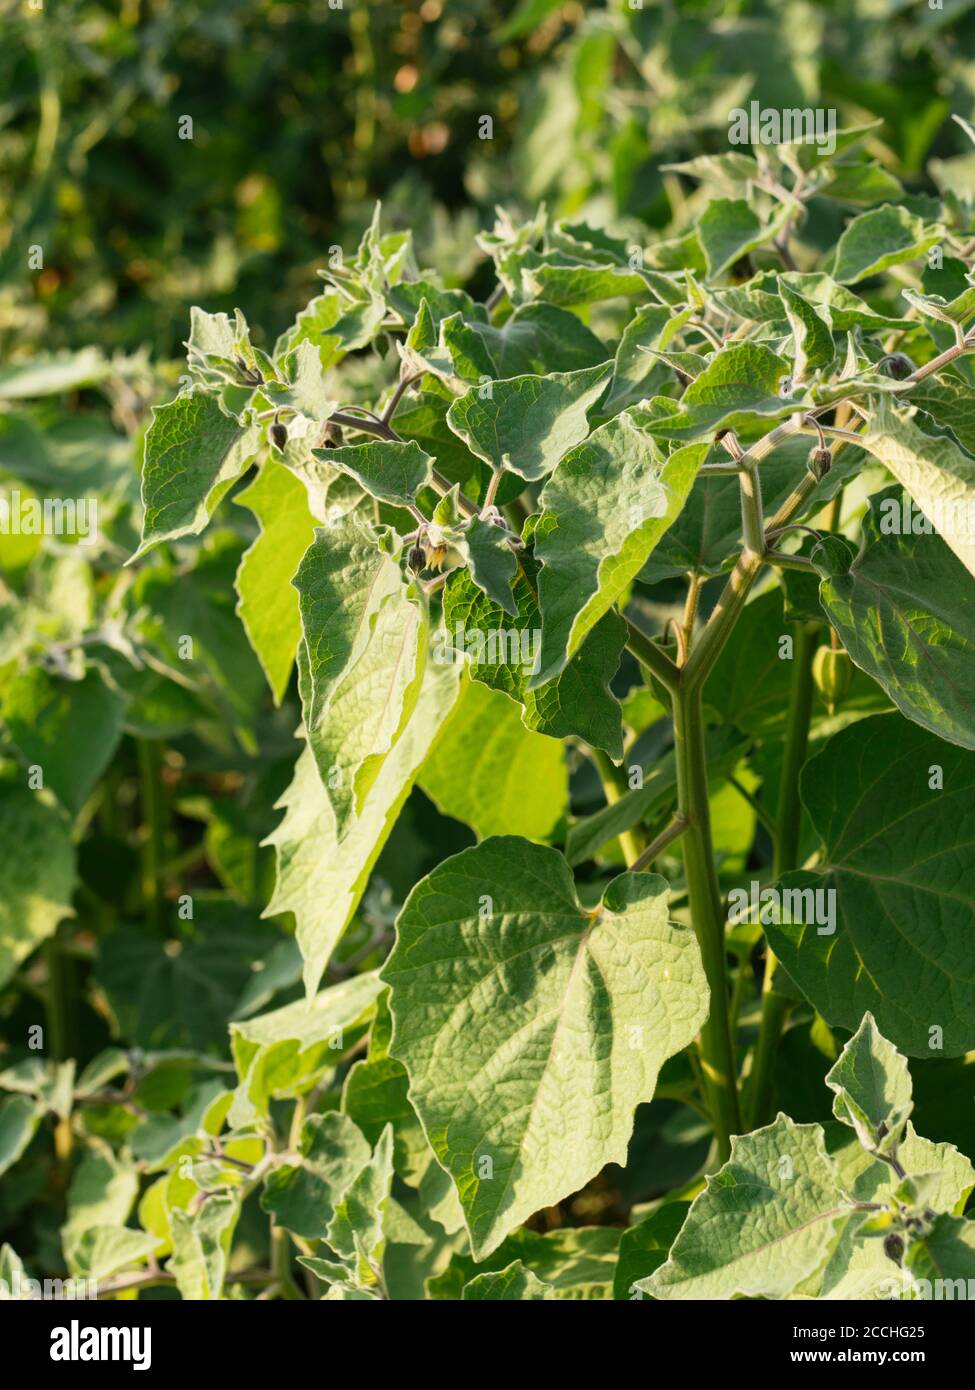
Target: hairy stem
point(775, 1006)
point(715, 1044)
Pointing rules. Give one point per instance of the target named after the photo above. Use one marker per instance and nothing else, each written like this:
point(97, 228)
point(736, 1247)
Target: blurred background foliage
point(305, 112)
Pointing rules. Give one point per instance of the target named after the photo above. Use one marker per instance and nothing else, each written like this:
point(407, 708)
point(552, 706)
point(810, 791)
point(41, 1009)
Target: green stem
point(715, 1044)
point(651, 656)
point(58, 1000)
point(149, 753)
point(775, 1006)
point(613, 778)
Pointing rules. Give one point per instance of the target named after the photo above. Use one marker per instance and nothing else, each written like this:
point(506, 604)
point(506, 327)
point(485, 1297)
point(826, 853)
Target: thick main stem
point(775, 1006)
point(715, 1044)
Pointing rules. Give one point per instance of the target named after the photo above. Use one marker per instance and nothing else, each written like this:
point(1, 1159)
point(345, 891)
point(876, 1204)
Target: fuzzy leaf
point(603, 512)
point(267, 602)
point(764, 1222)
point(514, 1013)
point(528, 422)
point(193, 453)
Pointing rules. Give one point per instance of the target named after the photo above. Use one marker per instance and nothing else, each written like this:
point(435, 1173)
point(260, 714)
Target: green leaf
point(194, 452)
point(873, 1088)
point(356, 1231)
point(576, 1262)
point(317, 881)
point(201, 1247)
point(282, 1052)
point(68, 729)
point(527, 423)
point(603, 511)
point(530, 1027)
point(535, 340)
point(19, 1119)
point(102, 1192)
point(104, 1250)
point(763, 1223)
point(37, 878)
point(725, 748)
point(491, 772)
point(579, 700)
point(303, 389)
point(904, 608)
point(811, 332)
point(897, 854)
point(741, 386)
point(514, 1283)
point(935, 471)
point(940, 1258)
point(878, 239)
point(636, 373)
point(728, 229)
point(267, 603)
point(645, 1247)
point(302, 1196)
point(361, 661)
point(394, 472)
point(493, 563)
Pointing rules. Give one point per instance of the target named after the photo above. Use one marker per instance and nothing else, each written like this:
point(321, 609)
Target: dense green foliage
point(491, 818)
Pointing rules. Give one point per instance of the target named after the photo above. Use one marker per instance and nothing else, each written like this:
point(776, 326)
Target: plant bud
point(832, 674)
point(279, 436)
point(416, 559)
point(820, 462)
point(893, 1247)
point(896, 364)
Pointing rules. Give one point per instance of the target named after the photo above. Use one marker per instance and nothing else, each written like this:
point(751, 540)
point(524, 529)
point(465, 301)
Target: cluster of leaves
point(630, 473)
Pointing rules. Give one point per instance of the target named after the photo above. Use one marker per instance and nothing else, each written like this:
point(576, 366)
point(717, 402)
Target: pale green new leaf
point(194, 452)
point(267, 602)
point(361, 662)
point(873, 1088)
point(603, 511)
point(531, 1028)
point(527, 423)
point(303, 388)
point(201, 1246)
point(301, 1196)
point(492, 772)
point(357, 1231)
point(763, 1223)
point(282, 1052)
point(514, 1283)
point(317, 880)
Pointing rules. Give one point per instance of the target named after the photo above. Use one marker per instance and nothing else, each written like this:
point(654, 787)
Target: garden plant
point(490, 812)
